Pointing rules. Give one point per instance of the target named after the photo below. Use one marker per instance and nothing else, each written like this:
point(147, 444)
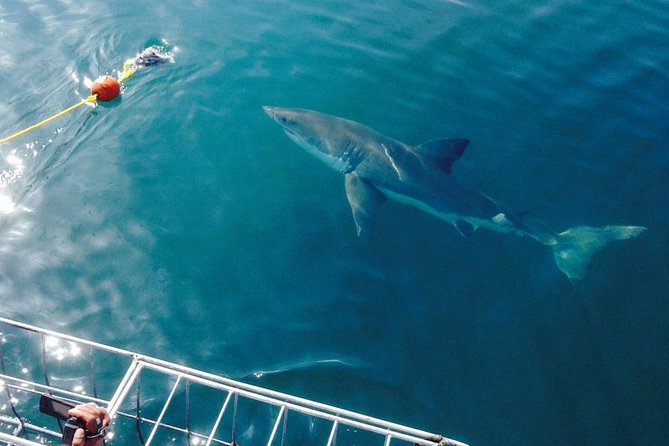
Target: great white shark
point(377, 167)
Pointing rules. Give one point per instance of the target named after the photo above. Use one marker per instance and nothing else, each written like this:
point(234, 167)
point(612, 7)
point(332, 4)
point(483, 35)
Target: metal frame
point(285, 403)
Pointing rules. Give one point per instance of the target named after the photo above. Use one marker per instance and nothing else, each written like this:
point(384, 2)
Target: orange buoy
point(106, 87)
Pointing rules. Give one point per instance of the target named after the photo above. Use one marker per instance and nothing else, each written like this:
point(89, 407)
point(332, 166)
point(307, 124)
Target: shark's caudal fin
point(574, 247)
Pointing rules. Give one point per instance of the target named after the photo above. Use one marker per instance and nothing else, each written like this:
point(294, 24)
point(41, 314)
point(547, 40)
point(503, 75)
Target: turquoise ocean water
point(182, 223)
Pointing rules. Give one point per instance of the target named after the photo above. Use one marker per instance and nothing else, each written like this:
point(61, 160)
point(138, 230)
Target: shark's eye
point(283, 119)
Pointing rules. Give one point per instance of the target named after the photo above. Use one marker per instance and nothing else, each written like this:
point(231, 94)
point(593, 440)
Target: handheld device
point(59, 408)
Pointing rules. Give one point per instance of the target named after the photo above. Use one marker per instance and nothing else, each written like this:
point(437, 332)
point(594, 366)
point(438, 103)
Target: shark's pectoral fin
point(442, 152)
point(464, 227)
point(364, 200)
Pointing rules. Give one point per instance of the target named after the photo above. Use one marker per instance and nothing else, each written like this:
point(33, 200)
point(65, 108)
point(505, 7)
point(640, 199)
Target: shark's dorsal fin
point(442, 152)
point(364, 199)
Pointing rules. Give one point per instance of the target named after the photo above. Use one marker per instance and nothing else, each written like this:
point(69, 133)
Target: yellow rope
point(91, 98)
point(129, 68)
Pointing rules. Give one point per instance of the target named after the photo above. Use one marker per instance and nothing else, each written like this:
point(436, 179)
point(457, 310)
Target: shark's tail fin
point(574, 247)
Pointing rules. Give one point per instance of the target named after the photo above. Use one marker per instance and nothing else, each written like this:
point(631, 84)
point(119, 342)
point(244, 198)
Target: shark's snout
point(285, 117)
point(273, 112)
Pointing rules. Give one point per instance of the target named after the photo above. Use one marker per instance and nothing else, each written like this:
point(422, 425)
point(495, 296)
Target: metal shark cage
point(152, 401)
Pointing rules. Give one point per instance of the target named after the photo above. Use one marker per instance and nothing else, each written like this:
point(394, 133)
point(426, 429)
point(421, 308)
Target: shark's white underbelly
point(498, 223)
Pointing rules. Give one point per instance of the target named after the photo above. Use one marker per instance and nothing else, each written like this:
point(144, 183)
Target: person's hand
point(94, 418)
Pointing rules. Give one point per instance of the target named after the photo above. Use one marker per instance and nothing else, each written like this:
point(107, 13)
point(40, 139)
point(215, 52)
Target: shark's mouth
point(297, 139)
point(290, 132)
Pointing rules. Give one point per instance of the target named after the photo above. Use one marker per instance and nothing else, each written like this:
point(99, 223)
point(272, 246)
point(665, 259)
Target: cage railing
point(181, 377)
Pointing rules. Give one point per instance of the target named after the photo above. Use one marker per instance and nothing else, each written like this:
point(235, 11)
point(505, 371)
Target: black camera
point(59, 408)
